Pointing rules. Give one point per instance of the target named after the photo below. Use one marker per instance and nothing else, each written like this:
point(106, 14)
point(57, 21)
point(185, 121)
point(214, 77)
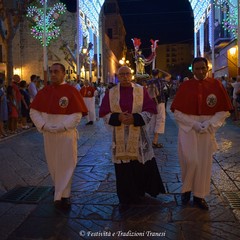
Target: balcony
point(222, 38)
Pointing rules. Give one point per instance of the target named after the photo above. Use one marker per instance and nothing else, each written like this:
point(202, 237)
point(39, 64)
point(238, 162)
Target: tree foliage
point(12, 13)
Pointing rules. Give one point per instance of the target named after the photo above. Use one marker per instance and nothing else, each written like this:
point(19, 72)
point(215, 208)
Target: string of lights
point(45, 23)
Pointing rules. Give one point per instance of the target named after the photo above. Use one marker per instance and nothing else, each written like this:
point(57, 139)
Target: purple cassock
point(134, 178)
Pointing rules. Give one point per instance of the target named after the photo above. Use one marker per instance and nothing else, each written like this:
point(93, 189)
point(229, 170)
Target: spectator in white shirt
point(32, 88)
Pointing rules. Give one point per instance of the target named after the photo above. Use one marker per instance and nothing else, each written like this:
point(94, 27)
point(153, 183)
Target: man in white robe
point(156, 91)
point(89, 93)
point(56, 111)
point(200, 107)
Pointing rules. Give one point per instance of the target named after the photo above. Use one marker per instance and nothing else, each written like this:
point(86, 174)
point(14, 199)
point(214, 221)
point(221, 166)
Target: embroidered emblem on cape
point(63, 102)
point(89, 93)
point(211, 100)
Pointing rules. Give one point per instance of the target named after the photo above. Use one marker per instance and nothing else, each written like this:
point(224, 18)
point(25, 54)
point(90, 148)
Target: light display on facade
point(223, 3)
point(44, 28)
point(230, 12)
point(229, 9)
point(230, 23)
point(216, 24)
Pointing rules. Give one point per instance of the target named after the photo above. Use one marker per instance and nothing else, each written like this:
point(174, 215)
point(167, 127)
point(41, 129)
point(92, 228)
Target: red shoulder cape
point(87, 91)
point(201, 97)
point(61, 99)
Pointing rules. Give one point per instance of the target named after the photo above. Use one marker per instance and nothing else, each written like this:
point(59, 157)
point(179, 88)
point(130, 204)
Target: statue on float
point(141, 61)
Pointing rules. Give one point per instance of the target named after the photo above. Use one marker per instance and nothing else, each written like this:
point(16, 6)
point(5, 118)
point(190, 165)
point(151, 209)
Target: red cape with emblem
point(87, 91)
point(60, 99)
point(201, 97)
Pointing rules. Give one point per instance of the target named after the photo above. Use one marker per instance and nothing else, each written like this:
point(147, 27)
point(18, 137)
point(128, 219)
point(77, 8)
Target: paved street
point(95, 213)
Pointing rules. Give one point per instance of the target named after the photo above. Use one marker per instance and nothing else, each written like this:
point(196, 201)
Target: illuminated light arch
point(201, 10)
point(88, 25)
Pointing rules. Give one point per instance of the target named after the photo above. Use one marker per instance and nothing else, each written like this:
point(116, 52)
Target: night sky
point(168, 21)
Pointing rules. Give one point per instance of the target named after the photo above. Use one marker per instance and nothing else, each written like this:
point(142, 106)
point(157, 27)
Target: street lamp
point(123, 61)
point(84, 50)
point(84, 61)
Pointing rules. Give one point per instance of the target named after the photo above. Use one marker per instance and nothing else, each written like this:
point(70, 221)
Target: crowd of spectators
point(15, 100)
point(232, 86)
point(17, 96)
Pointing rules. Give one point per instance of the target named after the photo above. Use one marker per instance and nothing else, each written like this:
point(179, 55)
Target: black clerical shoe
point(200, 203)
point(63, 204)
point(66, 203)
point(89, 123)
point(58, 204)
point(185, 197)
point(123, 207)
point(157, 145)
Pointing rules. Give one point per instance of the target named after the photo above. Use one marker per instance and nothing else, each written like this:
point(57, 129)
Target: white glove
point(50, 128)
point(210, 128)
point(197, 126)
point(205, 126)
point(54, 128)
point(46, 127)
point(60, 128)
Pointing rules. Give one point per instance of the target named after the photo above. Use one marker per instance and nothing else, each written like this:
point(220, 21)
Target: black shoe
point(200, 202)
point(66, 203)
point(123, 207)
point(89, 123)
point(58, 204)
point(157, 145)
point(185, 197)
